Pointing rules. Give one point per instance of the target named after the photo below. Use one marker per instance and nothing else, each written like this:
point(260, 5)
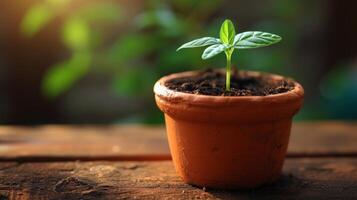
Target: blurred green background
point(95, 61)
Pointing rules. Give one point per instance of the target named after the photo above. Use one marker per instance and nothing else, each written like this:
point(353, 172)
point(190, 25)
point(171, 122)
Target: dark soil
point(212, 82)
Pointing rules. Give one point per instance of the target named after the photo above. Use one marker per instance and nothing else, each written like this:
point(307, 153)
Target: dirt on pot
point(212, 82)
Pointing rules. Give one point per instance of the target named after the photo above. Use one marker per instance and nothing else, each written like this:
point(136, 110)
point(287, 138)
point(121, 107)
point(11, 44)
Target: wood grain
point(61, 143)
point(313, 178)
point(328, 138)
point(88, 143)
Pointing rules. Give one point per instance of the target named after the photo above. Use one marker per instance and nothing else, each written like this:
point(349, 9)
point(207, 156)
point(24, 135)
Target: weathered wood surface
point(322, 164)
point(61, 143)
point(312, 178)
point(53, 142)
point(328, 138)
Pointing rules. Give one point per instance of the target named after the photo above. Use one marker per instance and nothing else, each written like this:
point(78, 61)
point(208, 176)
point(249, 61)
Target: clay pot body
point(228, 142)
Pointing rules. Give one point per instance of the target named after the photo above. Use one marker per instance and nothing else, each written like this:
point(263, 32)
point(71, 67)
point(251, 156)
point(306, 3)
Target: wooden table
point(133, 162)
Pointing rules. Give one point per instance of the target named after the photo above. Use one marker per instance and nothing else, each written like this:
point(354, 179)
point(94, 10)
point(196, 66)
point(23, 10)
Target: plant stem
point(228, 71)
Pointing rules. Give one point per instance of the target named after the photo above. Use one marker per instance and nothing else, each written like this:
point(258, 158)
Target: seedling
point(229, 41)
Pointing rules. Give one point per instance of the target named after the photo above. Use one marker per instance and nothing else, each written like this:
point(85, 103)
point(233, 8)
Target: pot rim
point(166, 94)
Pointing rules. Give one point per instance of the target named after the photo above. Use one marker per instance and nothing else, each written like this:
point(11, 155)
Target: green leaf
point(227, 32)
point(76, 33)
point(60, 77)
point(135, 81)
point(58, 2)
point(213, 50)
point(120, 52)
point(254, 39)
point(205, 41)
point(35, 19)
point(41, 14)
point(104, 12)
point(129, 83)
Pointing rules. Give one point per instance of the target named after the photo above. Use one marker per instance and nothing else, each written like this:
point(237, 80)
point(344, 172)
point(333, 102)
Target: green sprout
point(229, 41)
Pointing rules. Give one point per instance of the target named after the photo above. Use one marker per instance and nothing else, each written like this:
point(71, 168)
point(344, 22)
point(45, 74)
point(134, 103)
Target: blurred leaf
point(270, 60)
point(185, 3)
point(58, 2)
point(201, 8)
point(335, 83)
point(60, 77)
point(165, 17)
point(162, 18)
point(131, 46)
point(35, 19)
point(76, 33)
point(170, 62)
point(287, 8)
point(338, 89)
point(39, 15)
point(100, 12)
point(128, 84)
point(135, 82)
point(208, 6)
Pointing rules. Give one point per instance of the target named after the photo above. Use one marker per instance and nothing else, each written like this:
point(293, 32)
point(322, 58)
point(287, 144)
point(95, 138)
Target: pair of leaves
point(229, 39)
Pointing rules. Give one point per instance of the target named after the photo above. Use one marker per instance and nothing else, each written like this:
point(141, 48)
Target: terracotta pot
point(228, 142)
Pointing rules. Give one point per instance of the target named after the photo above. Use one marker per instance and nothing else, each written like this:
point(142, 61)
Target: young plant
point(229, 41)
